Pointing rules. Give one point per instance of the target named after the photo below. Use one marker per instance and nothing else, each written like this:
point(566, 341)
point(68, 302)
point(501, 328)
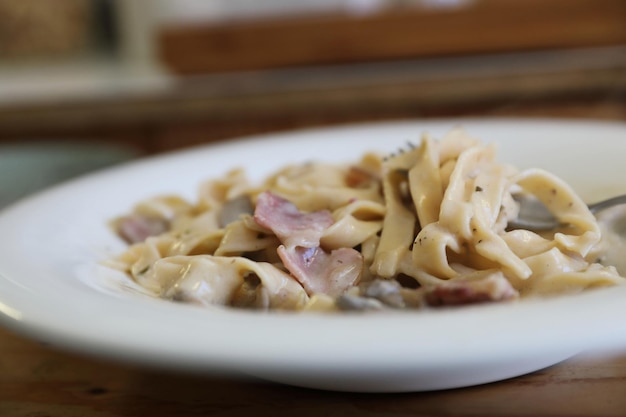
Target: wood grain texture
point(486, 26)
point(37, 380)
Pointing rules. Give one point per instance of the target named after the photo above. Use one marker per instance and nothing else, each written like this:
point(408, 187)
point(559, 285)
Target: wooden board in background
point(486, 26)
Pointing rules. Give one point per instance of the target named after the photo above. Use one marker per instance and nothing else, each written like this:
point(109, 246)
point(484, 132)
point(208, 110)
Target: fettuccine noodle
point(424, 228)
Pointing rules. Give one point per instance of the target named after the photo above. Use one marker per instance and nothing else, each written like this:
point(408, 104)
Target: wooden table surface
point(39, 381)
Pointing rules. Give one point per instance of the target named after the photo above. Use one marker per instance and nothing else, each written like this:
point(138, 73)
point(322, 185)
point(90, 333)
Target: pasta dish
point(425, 227)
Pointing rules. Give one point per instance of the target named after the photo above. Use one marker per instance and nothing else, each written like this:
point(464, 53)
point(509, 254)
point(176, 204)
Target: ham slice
point(290, 225)
point(322, 272)
point(492, 288)
point(317, 270)
point(136, 228)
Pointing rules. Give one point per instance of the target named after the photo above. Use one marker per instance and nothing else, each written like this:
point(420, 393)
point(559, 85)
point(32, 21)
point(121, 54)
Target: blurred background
point(89, 83)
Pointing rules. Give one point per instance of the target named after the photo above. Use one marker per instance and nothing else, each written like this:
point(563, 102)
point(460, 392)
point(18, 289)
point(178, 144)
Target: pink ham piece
point(317, 270)
point(492, 288)
point(290, 225)
point(321, 272)
point(136, 228)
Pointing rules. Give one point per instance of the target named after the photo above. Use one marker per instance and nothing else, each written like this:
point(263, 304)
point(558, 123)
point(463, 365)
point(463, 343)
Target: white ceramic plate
point(53, 288)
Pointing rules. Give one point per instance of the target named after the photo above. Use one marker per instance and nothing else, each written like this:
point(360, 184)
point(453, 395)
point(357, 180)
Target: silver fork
point(533, 215)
